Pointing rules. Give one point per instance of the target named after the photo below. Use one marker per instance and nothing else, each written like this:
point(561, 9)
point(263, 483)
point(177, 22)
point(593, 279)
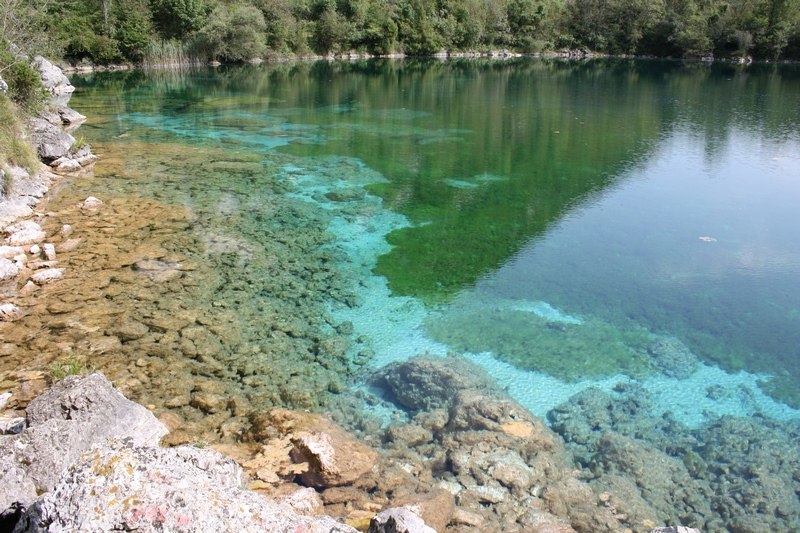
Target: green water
point(641, 197)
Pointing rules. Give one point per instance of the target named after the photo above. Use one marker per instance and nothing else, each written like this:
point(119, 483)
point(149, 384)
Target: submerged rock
point(334, 457)
point(426, 382)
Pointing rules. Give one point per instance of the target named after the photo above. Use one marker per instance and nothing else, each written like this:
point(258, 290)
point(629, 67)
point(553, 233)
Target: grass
point(14, 147)
point(69, 366)
point(161, 53)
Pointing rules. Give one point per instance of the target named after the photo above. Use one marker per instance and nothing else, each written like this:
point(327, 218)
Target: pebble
point(49, 252)
point(9, 312)
point(48, 275)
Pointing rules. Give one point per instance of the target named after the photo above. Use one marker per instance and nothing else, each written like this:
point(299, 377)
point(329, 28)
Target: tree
point(176, 19)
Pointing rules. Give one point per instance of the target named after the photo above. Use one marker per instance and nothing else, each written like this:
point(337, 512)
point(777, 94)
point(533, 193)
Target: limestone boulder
point(426, 382)
point(23, 232)
point(51, 142)
point(53, 77)
point(120, 486)
point(64, 422)
point(333, 456)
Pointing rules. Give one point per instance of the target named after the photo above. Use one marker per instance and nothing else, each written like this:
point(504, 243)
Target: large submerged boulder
point(426, 382)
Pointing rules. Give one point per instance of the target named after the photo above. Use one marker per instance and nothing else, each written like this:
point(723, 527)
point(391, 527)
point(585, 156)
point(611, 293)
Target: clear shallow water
point(552, 219)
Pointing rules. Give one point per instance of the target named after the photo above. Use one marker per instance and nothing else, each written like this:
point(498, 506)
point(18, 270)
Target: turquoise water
point(554, 220)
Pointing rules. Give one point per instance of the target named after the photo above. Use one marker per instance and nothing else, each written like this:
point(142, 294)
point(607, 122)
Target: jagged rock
point(15, 484)
point(675, 529)
point(474, 410)
point(8, 270)
point(334, 457)
point(121, 486)
point(409, 434)
point(69, 116)
point(24, 232)
point(426, 381)
point(51, 141)
point(47, 275)
point(67, 420)
point(399, 520)
point(53, 78)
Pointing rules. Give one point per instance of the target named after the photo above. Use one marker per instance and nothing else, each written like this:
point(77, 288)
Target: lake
point(565, 225)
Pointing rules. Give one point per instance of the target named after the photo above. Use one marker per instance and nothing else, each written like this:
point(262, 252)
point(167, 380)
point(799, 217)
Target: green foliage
point(69, 366)
point(232, 33)
point(14, 150)
point(108, 31)
point(133, 32)
point(176, 19)
point(24, 86)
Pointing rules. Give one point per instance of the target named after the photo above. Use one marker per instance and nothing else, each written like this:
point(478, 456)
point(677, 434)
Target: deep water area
point(614, 243)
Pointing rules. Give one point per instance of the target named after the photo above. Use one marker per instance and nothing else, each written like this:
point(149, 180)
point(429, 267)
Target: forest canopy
point(164, 31)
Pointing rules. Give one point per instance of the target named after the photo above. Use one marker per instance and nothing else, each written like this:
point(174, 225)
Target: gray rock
point(3, 86)
point(70, 418)
point(66, 164)
point(672, 358)
point(15, 484)
point(52, 77)
point(399, 520)
point(51, 141)
point(425, 382)
point(123, 487)
point(93, 402)
point(675, 529)
point(69, 116)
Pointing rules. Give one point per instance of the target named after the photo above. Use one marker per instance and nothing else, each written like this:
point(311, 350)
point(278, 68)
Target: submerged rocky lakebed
point(273, 237)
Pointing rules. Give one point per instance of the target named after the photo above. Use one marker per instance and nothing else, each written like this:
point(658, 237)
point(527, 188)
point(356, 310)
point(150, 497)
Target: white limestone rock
point(47, 275)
